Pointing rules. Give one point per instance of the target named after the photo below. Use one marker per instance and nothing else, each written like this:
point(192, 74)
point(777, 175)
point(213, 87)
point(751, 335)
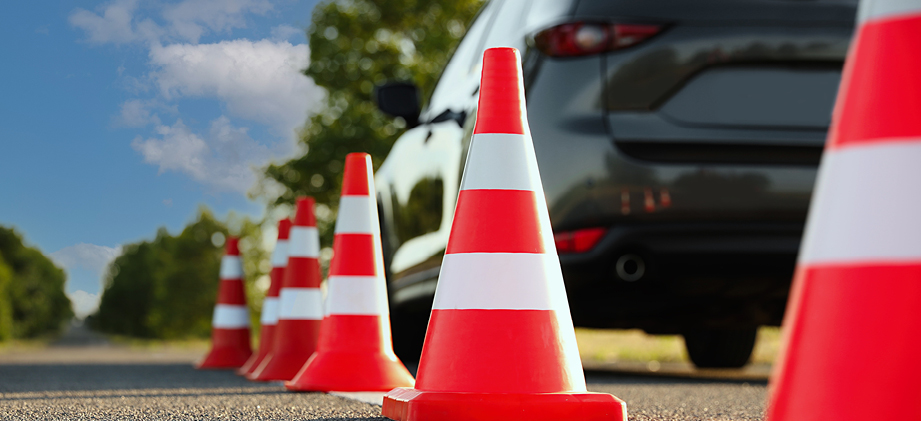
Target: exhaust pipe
point(630, 267)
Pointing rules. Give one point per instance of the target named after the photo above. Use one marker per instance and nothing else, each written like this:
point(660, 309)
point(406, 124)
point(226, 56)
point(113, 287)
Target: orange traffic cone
point(851, 337)
point(270, 306)
point(300, 301)
point(500, 343)
point(355, 352)
point(230, 325)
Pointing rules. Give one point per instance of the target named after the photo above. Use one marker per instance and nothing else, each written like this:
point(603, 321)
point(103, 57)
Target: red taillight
point(586, 38)
point(579, 241)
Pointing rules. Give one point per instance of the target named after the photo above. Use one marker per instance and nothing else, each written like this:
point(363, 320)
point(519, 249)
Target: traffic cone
point(270, 306)
point(851, 337)
point(500, 343)
point(300, 301)
point(355, 352)
point(230, 325)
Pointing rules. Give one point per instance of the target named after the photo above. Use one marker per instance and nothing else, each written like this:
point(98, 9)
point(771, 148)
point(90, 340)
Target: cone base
point(351, 372)
point(251, 364)
point(224, 358)
point(405, 404)
point(277, 367)
point(265, 344)
point(229, 349)
point(298, 343)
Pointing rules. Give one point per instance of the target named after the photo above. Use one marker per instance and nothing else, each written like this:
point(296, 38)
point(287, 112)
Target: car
point(678, 143)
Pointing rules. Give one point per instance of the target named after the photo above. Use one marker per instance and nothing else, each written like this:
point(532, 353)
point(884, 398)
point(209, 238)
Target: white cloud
point(136, 113)
point(258, 80)
point(83, 303)
point(191, 19)
point(116, 22)
point(86, 256)
point(223, 159)
point(286, 32)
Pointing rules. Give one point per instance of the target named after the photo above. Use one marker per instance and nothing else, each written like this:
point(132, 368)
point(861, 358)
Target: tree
point(34, 290)
point(354, 46)
point(6, 307)
point(167, 288)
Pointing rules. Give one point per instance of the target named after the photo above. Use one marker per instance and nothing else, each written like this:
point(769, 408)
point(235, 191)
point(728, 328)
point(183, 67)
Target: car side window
point(451, 89)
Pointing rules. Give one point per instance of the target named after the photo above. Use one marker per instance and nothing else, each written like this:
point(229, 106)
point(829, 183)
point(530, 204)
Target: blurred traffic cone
point(230, 325)
point(300, 301)
point(355, 352)
point(270, 306)
point(500, 343)
point(851, 337)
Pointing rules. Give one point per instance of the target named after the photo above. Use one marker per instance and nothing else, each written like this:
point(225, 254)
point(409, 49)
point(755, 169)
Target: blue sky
point(119, 117)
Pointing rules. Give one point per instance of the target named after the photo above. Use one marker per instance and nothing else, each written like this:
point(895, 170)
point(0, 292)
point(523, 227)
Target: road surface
point(83, 377)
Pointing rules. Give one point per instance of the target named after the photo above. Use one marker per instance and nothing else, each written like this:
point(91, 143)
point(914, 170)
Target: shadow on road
point(77, 377)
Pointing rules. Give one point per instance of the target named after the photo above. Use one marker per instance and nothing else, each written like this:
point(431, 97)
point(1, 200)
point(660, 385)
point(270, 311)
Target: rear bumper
point(696, 275)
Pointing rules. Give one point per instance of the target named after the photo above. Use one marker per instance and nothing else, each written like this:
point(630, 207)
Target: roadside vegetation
point(166, 288)
point(32, 299)
point(636, 346)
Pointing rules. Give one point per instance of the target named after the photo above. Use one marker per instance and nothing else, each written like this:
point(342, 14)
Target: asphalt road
point(84, 378)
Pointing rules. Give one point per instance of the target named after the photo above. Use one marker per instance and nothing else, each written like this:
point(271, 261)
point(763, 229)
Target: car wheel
point(408, 331)
point(711, 348)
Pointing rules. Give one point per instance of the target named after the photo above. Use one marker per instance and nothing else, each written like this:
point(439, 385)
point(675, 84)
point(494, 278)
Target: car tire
point(712, 348)
point(408, 331)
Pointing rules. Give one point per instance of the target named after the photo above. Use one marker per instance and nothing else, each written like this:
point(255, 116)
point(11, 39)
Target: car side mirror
point(399, 99)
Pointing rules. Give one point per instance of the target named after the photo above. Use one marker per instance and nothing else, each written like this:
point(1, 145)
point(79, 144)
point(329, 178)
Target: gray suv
point(678, 143)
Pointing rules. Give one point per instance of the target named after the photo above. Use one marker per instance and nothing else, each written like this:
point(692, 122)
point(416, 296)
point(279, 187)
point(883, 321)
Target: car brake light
point(578, 241)
point(587, 38)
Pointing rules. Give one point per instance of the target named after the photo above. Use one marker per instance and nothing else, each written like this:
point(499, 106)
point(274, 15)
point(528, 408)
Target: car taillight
point(587, 38)
point(578, 241)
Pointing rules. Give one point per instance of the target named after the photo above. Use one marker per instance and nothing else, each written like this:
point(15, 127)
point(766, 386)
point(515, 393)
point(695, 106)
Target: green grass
point(159, 344)
point(24, 344)
point(637, 346)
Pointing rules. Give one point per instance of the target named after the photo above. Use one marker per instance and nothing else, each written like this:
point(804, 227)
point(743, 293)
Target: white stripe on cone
point(887, 9)
point(231, 268)
point(280, 254)
point(300, 304)
point(515, 281)
point(501, 162)
point(356, 295)
point(356, 215)
point(269, 311)
point(861, 211)
point(304, 242)
point(228, 316)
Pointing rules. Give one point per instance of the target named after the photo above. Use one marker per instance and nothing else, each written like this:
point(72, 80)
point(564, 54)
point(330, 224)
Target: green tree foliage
point(34, 289)
point(6, 306)
point(167, 288)
point(355, 45)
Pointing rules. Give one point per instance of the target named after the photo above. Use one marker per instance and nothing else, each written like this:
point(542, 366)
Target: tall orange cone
point(269, 317)
point(500, 343)
point(355, 352)
point(230, 346)
point(300, 302)
point(851, 339)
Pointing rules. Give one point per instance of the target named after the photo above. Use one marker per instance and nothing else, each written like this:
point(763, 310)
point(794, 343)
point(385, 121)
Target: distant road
point(82, 376)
